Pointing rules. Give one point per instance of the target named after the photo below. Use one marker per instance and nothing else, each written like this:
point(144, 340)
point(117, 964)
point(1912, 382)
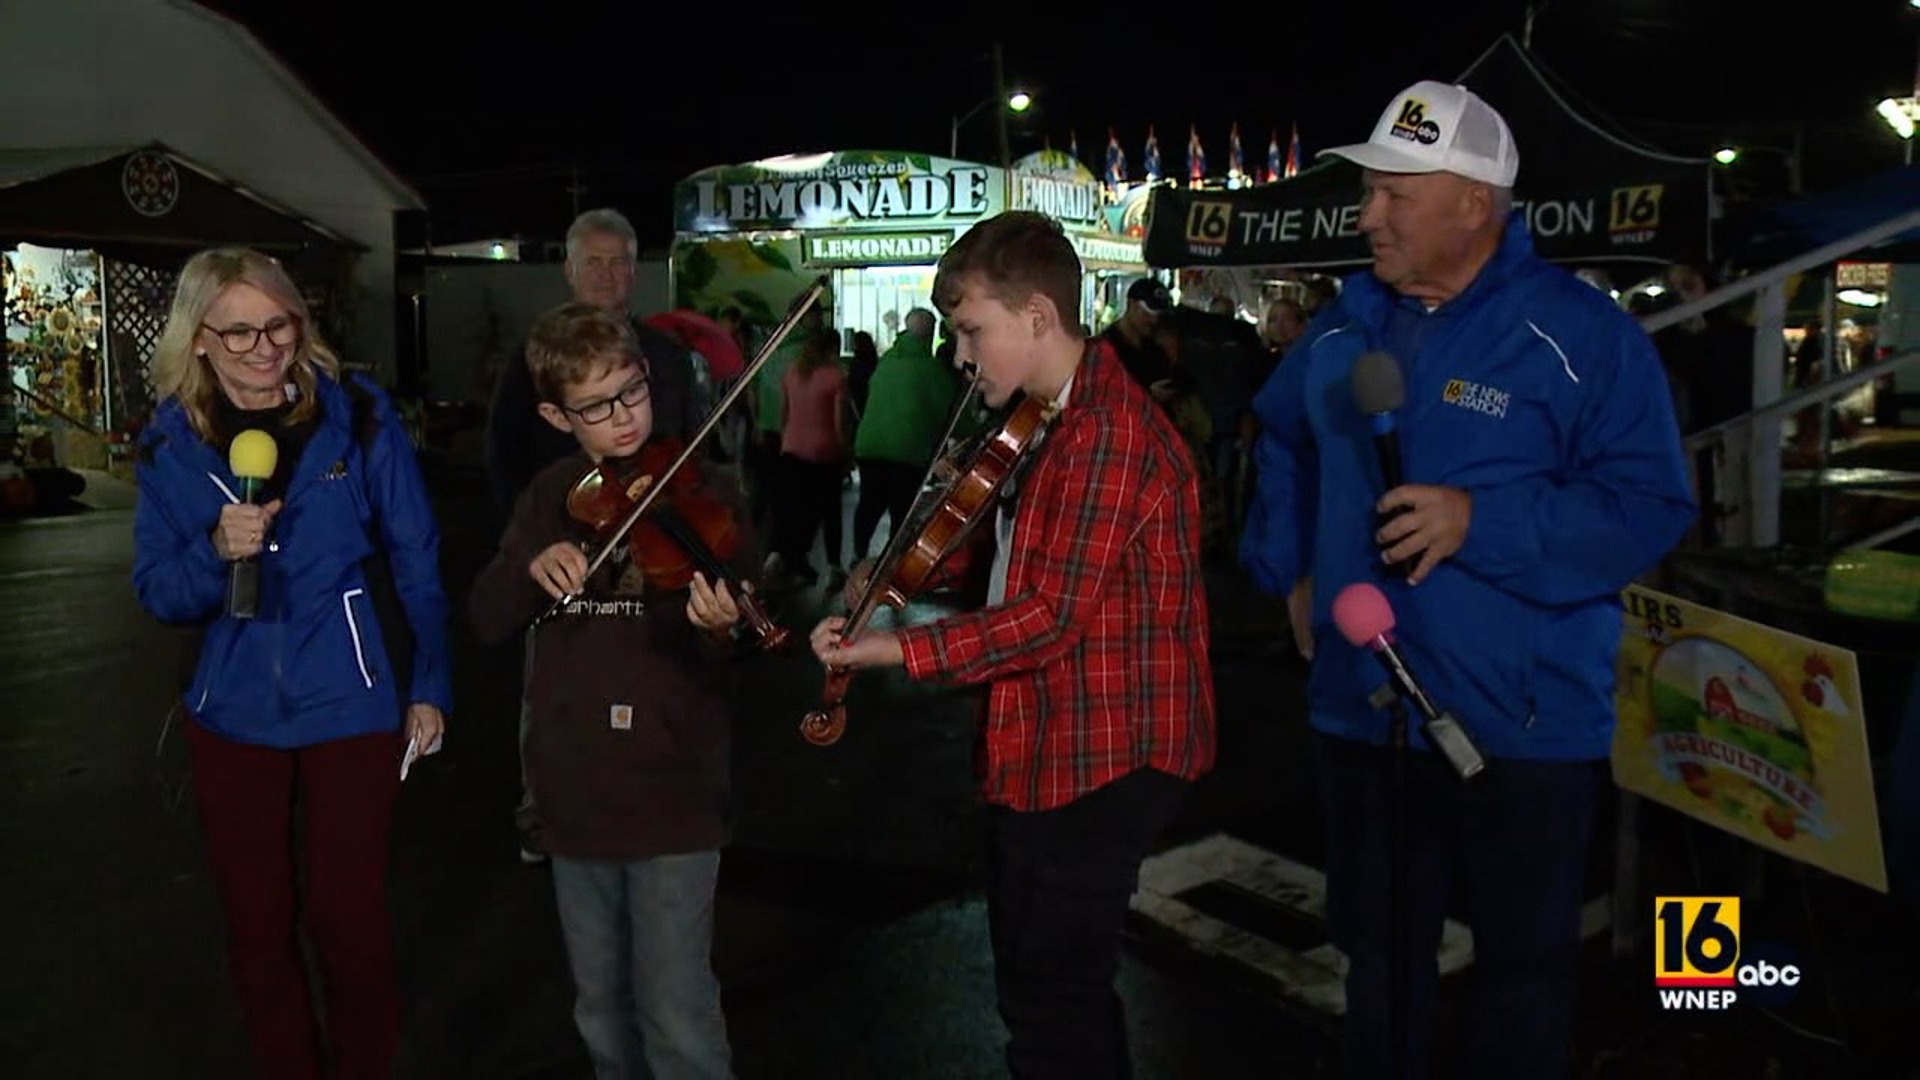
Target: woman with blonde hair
point(300, 692)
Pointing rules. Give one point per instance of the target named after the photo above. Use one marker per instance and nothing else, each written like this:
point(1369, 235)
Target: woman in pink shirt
point(814, 444)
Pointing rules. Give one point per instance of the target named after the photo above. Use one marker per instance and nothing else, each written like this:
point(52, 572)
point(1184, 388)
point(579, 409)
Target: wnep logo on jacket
point(1481, 399)
point(1697, 960)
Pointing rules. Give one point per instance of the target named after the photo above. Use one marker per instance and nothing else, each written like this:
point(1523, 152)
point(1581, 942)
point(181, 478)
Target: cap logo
point(1412, 123)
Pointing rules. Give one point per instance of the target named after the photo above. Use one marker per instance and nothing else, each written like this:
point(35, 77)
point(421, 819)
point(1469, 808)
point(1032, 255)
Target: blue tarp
point(1774, 234)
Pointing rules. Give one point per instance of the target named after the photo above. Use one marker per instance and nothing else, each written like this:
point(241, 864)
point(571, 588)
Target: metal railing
point(1750, 473)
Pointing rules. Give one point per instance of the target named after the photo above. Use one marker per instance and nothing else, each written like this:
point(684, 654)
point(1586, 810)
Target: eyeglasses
point(283, 330)
point(599, 412)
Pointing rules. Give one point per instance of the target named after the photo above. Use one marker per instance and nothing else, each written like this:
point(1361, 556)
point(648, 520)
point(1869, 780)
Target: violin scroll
point(823, 727)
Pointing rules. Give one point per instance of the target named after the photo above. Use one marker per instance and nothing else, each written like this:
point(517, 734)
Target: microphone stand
point(1389, 697)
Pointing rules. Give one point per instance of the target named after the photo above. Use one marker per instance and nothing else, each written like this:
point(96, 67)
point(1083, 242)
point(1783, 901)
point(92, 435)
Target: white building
point(239, 151)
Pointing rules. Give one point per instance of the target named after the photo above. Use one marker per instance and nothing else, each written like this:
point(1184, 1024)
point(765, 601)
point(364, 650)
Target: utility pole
point(1000, 105)
point(1526, 28)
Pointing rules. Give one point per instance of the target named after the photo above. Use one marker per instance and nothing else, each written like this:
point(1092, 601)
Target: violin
point(687, 528)
point(617, 508)
point(971, 480)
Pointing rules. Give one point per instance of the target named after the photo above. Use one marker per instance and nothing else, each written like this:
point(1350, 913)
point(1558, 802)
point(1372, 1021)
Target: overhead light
point(1019, 101)
point(498, 250)
point(1860, 297)
point(793, 163)
point(1655, 289)
point(1727, 155)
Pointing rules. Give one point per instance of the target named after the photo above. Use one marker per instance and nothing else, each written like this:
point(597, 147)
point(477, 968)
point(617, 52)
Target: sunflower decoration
point(61, 320)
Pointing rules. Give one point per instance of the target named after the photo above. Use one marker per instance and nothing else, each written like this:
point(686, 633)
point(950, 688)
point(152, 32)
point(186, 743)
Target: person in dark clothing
point(629, 748)
point(1709, 363)
point(1135, 338)
point(1220, 357)
point(866, 357)
point(601, 248)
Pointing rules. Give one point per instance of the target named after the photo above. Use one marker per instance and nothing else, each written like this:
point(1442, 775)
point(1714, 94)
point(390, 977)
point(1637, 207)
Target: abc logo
point(1412, 123)
point(1765, 973)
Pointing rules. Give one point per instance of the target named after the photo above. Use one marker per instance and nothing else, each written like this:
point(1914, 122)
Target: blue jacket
point(312, 666)
point(1536, 394)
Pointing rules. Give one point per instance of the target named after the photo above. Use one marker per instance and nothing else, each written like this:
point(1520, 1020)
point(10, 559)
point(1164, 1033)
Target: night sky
point(489, 115)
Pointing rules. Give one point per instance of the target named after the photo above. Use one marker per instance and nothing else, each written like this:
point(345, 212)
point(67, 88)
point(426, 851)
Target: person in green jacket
point(907, 405)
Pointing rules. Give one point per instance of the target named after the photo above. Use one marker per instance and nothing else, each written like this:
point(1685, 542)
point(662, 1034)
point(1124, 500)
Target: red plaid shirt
point(1098, 656)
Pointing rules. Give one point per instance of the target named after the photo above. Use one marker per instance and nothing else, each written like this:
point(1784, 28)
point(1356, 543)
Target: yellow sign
point(1632, 209)
point(1750, 729)
point(1696, 940)
point(1209, 222)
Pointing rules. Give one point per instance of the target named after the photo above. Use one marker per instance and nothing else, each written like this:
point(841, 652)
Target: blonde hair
point(181, 371)
point(575, 342)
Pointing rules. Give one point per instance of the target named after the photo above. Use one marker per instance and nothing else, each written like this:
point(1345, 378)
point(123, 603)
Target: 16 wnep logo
point(1698, 963)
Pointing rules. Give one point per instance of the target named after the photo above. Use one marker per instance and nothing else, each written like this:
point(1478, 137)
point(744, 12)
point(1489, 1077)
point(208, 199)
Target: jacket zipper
point(353, 628)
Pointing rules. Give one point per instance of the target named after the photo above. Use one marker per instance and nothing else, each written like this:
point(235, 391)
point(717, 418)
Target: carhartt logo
point(1481, 399)
point(1412, 123)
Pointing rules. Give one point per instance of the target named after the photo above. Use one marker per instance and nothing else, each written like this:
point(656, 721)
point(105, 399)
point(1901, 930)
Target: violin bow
point(740, 385)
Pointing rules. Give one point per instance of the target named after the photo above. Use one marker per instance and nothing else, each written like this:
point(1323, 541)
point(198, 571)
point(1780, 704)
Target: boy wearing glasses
point(628, 749)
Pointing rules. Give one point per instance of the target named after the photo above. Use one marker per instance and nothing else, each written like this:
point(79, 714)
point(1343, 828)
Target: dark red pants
point(345, 791)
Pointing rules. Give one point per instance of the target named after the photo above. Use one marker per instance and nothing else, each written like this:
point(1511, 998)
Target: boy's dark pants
point(1058, 889)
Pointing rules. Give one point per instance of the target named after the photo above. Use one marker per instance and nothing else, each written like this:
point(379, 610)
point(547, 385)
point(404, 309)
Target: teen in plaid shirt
point(1093, 641)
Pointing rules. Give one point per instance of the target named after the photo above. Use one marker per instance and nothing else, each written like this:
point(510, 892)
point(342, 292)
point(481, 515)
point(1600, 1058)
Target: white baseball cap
point(1438, 127)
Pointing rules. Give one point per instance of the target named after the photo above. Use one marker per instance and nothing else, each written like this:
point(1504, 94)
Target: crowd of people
point(1542, 473)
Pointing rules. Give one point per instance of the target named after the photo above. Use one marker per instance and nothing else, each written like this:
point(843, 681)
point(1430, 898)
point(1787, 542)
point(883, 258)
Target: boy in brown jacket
point(627, 753)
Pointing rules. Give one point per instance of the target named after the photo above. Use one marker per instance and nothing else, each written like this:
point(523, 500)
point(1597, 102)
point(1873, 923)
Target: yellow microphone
point(252, 459)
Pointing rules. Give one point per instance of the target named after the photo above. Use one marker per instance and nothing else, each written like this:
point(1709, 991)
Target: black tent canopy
point(146, 204)
point(1589, 192)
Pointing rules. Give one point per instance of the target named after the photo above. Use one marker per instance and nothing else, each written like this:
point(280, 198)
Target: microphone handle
point(1443, 731)
point(243, 588)
point(1386, 446)
point(1390, 659)
point(243, 575)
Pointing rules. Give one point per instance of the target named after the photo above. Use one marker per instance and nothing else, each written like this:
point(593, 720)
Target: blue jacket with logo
point(312, 665)
point(1537, 395)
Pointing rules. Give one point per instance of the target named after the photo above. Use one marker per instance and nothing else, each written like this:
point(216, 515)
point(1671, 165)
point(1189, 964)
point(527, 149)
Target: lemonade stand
point(754, 236)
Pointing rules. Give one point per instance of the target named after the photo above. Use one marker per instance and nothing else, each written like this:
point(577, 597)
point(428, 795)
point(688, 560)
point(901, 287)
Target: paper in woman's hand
point(414, 753)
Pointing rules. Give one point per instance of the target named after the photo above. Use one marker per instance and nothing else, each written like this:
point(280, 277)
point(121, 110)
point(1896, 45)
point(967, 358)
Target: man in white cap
point(1542, 473)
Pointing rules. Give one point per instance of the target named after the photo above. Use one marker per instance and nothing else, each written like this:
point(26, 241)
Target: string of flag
point(1282, 159)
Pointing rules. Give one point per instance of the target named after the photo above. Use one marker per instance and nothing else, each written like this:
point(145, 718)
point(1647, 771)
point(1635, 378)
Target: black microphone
point(1379, 390)
point(252, 459)
point(1366, 620)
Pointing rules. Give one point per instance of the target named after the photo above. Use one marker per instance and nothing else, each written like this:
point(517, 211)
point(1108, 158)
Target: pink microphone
point(1363, 615)
point(1366, 620)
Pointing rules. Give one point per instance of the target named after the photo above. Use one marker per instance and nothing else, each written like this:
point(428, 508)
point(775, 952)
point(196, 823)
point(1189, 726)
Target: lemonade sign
point(1748, 728)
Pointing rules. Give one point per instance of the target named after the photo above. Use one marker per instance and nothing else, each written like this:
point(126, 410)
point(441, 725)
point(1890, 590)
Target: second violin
point(940, 523)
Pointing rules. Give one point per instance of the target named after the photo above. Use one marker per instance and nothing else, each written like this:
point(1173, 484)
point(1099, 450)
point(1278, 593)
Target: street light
point(1727, 155)
point(1901, 115)
point(1019, 101)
